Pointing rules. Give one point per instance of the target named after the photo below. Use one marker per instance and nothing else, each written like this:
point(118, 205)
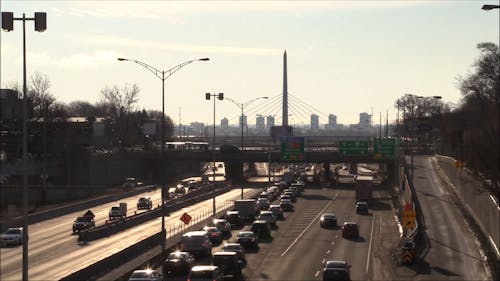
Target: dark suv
point(229, 264)
point(361, 207)
point(144, 203)
point(261, 228)
point(350, 230)
point(177, 263)
point(336, 271)
point(233, 217)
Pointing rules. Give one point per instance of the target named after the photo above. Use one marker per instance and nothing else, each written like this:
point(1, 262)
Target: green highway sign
point(353, 148)
point(292, 148)
point(384, 148)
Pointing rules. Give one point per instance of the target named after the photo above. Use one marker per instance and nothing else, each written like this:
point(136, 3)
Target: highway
point(453, 253)
point(300, 246)
point(55, 253)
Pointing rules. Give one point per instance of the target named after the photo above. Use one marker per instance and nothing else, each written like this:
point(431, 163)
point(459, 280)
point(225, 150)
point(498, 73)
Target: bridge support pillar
point(234, 171)
point(328, 172)
point(353, 168)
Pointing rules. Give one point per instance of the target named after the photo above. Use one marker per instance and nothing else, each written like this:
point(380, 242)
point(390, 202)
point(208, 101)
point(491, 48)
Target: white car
point(12, 236)
point(145, 275)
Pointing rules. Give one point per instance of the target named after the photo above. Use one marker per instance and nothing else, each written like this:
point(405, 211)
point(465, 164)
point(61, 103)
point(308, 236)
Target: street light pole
point(220, 96)
point(163, 75)
point(242, 106)
point(40, 20)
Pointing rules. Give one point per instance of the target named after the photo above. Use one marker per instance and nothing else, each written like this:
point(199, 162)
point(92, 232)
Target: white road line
point(333, 243)
point(370, 246)
point(305, 229)
point(323, 261)
point(327, 251)
point(317, 273)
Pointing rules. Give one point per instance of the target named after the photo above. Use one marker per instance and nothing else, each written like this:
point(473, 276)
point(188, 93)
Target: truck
point(364, 188)
point(246, 208)
point(84, 222)
point(119, 211)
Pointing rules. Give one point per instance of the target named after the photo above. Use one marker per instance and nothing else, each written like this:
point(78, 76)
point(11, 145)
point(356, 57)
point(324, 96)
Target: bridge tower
point(285, 94)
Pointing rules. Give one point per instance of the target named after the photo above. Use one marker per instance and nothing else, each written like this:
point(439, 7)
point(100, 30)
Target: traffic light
point(40, 21)
point(220, 96)
point(207, 96)
point(7, 21)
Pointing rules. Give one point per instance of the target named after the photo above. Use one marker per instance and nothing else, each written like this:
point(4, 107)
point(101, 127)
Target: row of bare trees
point(469, 132)
point(118, 103)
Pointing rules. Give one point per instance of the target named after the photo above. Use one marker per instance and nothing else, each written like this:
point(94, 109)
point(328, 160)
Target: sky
point(344, 57)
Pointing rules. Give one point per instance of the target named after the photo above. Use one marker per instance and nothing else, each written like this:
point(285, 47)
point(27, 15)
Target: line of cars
point(228, 263)
point(335, 270)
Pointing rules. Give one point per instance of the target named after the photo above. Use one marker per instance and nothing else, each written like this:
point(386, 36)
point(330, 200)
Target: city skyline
point(343, 57)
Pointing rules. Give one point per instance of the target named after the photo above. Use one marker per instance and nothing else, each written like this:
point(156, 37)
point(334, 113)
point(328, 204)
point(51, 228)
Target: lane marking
point(327, 251)
point(323, 261)
point(317, 273)
point(303, 231)
point(370, 245)
point(333, 243)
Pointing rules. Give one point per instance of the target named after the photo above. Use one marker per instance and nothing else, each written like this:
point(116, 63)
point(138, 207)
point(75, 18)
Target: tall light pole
point(40, 20)
point(242, 106)
point(220, 96)
point(163, 75)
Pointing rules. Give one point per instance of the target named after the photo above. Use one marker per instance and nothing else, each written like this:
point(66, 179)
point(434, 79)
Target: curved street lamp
point(242, 106)
point(163, 75)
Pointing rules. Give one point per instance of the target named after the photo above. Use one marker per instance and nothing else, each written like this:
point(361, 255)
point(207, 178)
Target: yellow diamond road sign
point(409, 219)
point(407, 256)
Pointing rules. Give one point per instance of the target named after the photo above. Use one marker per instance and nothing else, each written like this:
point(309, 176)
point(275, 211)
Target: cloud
point(132, 43)
point(78, 60)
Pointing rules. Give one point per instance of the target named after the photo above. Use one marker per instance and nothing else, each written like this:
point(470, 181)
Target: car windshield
point(177, 255)
point(232, 247)
point(201, 274)
point(245, 235)
point(141, 274)
point(83, 219)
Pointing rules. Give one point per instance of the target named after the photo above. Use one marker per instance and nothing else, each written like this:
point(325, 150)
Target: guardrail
point(131, 221)
point(173, 238)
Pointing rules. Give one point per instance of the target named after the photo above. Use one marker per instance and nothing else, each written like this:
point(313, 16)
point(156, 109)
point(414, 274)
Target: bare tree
point(120, 103)
point(40, 95)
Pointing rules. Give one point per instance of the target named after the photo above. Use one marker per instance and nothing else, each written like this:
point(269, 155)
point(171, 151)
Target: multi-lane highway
point(55, 253)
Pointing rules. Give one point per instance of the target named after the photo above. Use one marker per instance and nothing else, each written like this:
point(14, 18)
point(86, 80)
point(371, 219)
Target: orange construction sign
point(185, 218)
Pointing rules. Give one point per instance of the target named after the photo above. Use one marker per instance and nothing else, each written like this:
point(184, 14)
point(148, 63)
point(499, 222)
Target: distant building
point(314, 122)
point(332, 120)
point(197, 128)
point(260, 124)
point(365, 119)
point(243, 121)
point(270, 122)
point(224, 123)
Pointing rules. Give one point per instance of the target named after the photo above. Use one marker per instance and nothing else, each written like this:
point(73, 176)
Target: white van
point(197, 243)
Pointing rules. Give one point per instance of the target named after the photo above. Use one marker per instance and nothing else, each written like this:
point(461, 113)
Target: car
point(234, 218)
point(229, 264)
point(130, 182)
point(235, 247)
point(82, 223)
point(328, 219)
point(277, 211)
point(350, 230)
point(267, 216)
point(336, 270)
point(291, 194)
point(361, 207)
point(214, 233)
point(144, 203)
point(180, 189)
point(262, 204)
point(197, 243)
point(223, 225)
point(13, 236)
point(178, 263)
point(285, 196)
point(247, 239)
point(261, 228)
point(145, 275)
point(205, 273)
point(286, 205)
